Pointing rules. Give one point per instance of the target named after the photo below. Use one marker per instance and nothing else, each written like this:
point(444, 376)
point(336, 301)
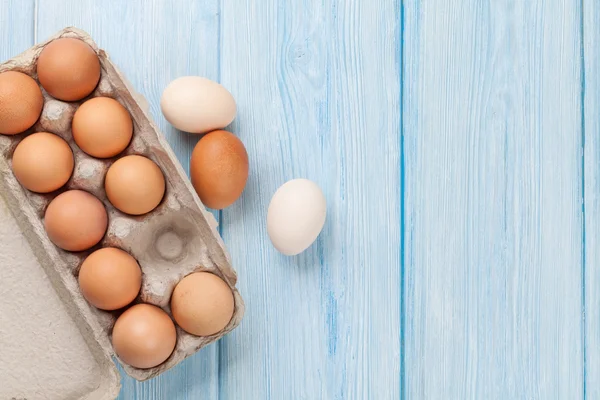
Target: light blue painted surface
point(494, 223)
point(460, 156)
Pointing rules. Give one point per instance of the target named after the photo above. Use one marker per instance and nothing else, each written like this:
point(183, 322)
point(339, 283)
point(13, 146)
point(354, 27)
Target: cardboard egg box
point(177, 238)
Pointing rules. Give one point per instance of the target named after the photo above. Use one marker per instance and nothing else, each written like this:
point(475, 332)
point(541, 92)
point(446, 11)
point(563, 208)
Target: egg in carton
point(175, 239)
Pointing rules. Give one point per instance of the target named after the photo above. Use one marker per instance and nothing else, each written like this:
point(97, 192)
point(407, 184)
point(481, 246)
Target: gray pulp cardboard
point(43, 355)
point(176, 239)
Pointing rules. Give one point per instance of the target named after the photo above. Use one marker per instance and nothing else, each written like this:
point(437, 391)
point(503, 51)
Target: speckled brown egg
point(144, 336)
point(219, 169)
point(134, 185)
point(68, 69)
point(43, 162)
point(75, 220)
point(202, 304)
point(110, 278)
point(102, 127)
point(21, 102)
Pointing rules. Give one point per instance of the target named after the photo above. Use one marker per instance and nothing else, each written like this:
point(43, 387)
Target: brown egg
point(219, 169)
point(42, 162)
point(75, 220)
point(102, 127)
point(144, 336)
point(68, 69)
point(21, 102)
point(134, 185)
point(110, 278)
point(202, 304)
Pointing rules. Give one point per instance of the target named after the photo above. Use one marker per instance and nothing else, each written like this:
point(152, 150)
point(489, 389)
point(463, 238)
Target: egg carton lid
point(43, 354)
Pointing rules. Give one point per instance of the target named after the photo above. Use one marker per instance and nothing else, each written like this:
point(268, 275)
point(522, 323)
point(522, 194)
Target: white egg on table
point(197, 105)
point(296, 216)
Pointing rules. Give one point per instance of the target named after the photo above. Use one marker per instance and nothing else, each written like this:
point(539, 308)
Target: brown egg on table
point(144, 336)
point(134, 185)
point(219, 169)
point(43, 162)
point(75, 220)
point(21, 102)
point(102, 127)
point(68, 69)
point(202, 304)
point(110, 278)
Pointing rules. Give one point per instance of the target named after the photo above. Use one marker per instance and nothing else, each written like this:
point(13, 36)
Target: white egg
point(197, 105)
point(296, 216)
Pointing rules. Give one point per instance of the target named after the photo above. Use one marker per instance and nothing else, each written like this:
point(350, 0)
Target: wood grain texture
point(464, 166)
point(318, 85)
point(16, 27)
point(591, 86)
point(153, 43)
point(492, 127)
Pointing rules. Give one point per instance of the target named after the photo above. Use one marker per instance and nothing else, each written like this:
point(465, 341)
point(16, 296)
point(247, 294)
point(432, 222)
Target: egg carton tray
point(177, 238)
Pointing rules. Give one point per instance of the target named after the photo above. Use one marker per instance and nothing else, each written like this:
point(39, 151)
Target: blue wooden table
point(458, 145)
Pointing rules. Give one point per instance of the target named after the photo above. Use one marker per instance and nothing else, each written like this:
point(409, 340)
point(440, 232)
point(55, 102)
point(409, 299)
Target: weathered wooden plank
point(591, 173)
point(493, 145)
point(318, 90)
point(153, 43)
point(16, 27)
